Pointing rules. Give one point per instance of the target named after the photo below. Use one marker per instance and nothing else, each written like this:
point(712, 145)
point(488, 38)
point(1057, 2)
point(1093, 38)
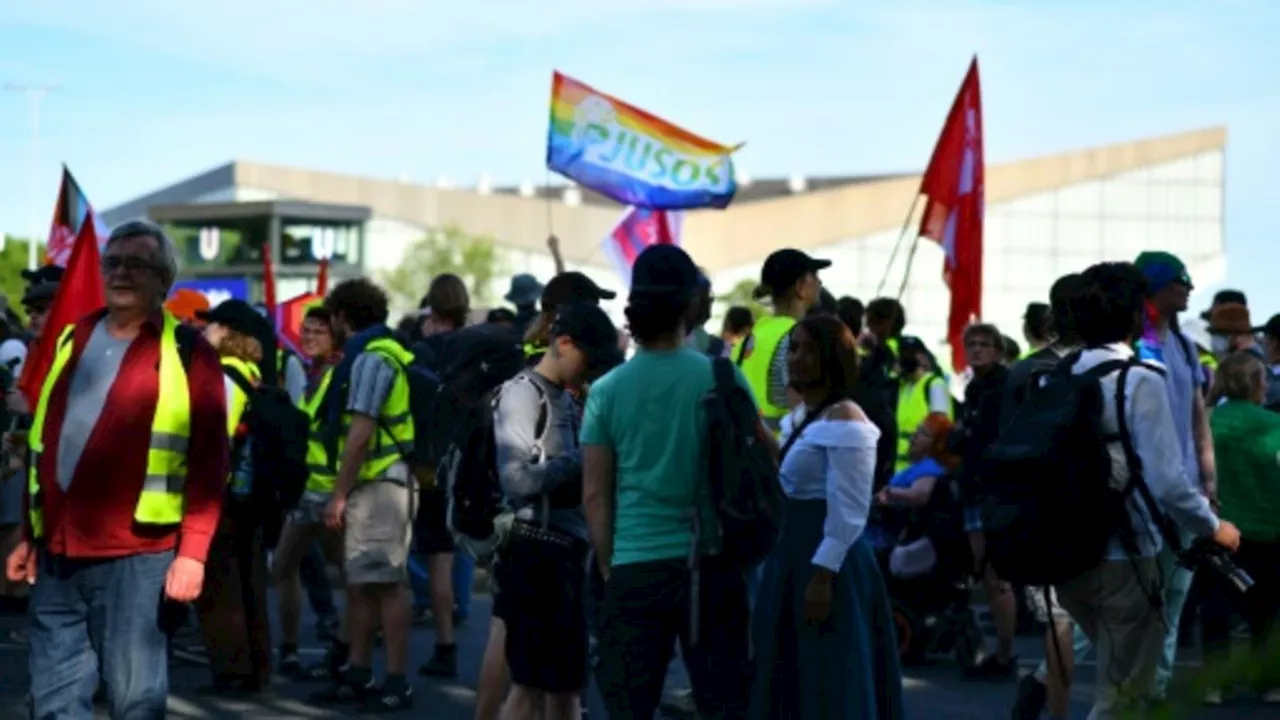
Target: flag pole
point(906, 224)
point(906, 273)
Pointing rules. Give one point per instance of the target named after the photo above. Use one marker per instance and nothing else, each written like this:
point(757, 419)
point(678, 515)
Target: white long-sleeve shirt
point(1150, 423)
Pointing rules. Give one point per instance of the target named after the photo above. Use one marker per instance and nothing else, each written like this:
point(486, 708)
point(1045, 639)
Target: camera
point(1205, 554)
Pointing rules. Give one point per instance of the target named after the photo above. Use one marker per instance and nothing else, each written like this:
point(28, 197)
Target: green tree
point(474, 258)
point(13, 260)
point(741, 295)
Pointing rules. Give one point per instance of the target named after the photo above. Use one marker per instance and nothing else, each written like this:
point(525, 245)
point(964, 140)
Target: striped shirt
point(779, 380)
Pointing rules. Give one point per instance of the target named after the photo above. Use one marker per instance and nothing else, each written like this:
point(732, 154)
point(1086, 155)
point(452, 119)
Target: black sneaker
point(443, 663)
point(328, 670)
point(991, 669)
point(289, 664)
point(341, 692)
point(386, 701)
point(1031, 699)
point(327, 629)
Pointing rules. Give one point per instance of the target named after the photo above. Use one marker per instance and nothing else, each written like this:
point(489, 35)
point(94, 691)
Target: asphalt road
point(933, 693)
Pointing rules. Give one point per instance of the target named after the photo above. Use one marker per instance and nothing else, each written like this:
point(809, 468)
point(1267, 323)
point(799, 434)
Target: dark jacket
point(978, 426)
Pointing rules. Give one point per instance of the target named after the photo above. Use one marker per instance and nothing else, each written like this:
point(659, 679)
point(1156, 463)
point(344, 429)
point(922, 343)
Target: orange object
point(185, 303)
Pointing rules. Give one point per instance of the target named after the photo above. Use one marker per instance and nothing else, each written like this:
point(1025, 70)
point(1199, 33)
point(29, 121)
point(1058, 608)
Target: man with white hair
point(128, 457)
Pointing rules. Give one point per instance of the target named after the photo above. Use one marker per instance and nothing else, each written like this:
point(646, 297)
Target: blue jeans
point(464, 570)
point(87, 614)
point(315, 580)
point(1177, 585)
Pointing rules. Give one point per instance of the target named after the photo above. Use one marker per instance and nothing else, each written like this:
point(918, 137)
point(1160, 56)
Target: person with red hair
point(929, 461)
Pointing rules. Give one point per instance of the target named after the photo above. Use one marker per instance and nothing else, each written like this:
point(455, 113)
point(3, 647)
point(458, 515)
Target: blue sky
point(156, 90)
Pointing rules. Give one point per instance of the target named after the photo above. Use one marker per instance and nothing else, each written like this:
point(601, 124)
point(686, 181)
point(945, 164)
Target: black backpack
point(1049, 509)
point(472, 363)
point(278, 430)
point(744, 478)
point(469, 471)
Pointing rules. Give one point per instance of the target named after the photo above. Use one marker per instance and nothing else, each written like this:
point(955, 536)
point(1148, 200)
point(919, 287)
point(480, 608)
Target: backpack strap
point(237, 377)
point(742, 354)
point(543, 426)
point(1134, 461)
point(809, 419)
point(185, 336)
point(722, 371)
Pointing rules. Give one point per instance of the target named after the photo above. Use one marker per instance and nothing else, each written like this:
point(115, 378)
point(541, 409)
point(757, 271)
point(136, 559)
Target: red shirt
point(94, 517)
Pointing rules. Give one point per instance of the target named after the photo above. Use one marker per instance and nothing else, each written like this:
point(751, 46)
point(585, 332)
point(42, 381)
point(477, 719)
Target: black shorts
point(540, 598)
point(430, 526)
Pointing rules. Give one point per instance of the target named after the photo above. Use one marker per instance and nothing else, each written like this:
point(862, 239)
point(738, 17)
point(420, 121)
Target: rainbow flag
point(631, 156)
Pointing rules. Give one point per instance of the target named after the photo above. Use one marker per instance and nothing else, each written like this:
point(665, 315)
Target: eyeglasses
point(980, 344)
point(129, 263)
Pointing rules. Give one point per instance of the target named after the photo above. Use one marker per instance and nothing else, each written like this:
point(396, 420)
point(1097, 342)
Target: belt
point(529, 531)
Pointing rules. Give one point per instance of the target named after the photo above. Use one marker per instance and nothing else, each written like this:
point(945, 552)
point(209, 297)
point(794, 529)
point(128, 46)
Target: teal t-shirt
point(649, 412)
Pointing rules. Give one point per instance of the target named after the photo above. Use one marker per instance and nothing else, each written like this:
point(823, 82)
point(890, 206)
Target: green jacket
point(1246, 445)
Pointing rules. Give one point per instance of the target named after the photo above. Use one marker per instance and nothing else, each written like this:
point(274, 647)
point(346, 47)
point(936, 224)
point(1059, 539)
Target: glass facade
point(1032, 240)
point(304, 242)
point(209, 246)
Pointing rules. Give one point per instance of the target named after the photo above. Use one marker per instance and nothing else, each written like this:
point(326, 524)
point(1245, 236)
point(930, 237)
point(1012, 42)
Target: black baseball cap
point(39, 293)
point(592, 332)
point(665, 268)
point(45, 274)
point(238, 315)
point(573, 287)
point(1272, 328)
point(1225, 297)
point(783, 268)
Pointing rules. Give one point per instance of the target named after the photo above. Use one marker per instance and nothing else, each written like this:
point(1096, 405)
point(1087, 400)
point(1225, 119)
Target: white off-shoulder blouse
point(833, 460)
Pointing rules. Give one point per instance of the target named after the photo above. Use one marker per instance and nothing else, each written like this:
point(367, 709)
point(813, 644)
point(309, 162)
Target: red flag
point(80, 293)
point(322, 280)
point(953, 184)
point(268, 280)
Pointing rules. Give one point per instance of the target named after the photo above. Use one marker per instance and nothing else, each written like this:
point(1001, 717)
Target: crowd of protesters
point(135, 489)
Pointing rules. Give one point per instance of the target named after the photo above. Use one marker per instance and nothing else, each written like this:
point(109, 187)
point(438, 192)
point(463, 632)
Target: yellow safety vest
point(763, 341)
point(531, 350)
point(239, 399)
point(892, 344)
point(321, 477)
point(913, 408)
point(394, 435)
point(161, 500)
point(1209, 361)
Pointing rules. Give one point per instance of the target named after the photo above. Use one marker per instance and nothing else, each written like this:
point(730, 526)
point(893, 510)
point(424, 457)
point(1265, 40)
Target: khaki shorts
point(379, 530)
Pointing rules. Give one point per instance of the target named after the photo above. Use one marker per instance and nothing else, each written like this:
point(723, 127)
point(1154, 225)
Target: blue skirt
point(845, 669)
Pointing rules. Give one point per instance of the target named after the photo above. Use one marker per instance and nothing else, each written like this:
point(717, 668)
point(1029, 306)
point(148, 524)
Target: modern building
point(1045, 217)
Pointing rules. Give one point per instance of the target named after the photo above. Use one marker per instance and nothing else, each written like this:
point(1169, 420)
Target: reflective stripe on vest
point(764, 340)
point(320, 477)
point(161, 500)
point(239, 398)
point(913, 408)
point(394, 434)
